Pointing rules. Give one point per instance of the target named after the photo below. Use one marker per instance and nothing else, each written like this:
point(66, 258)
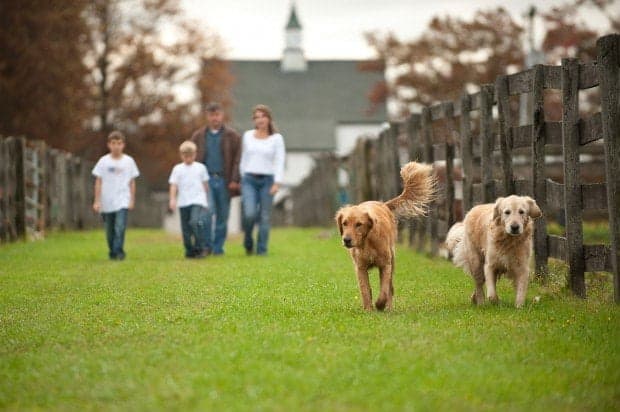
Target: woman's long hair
point(263, 108)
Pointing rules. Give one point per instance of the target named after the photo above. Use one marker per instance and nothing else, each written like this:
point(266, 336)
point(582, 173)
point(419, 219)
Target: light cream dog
point(495, 239)
point(368, 230)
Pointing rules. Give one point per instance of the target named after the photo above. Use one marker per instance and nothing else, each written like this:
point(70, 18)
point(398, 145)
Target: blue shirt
point(213, 157)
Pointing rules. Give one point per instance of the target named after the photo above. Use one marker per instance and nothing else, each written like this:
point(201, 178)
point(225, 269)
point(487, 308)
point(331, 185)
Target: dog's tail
point(419, 189)
point(454, 238)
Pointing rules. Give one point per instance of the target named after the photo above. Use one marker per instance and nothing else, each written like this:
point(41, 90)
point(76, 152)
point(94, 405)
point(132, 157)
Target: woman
point(262, 170)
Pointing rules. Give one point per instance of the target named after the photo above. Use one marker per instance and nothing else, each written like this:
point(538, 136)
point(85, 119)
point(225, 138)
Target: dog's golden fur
point(368, 230)
point(495, 239)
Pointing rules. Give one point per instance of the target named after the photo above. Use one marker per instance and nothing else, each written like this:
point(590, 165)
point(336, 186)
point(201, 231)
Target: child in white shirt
point(188, 192)
point(115, 192)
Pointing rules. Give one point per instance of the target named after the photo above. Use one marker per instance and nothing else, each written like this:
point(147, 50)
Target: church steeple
point(293, 59)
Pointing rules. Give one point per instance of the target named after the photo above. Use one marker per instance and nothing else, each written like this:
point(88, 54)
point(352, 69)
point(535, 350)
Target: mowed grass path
point(285, 332)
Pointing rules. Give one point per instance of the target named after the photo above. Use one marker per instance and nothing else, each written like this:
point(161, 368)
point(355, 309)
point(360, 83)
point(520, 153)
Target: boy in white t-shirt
point(115, 192)
point(188, 191)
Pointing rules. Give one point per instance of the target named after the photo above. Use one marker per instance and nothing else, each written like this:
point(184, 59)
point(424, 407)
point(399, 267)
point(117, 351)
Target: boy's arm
point(172, 203)
point(97, 201)
point(132, 191)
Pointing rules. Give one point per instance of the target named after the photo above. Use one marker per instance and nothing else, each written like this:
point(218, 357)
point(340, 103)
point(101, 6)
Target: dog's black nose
point(346, 241)
point(514, 228)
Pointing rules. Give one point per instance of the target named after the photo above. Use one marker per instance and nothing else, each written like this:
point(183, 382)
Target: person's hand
point(234, 186)
point(172, 204)
point(131, 204)
point(274, 189)
point(96, 207)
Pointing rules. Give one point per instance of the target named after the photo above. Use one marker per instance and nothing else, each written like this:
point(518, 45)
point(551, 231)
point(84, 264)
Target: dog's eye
point(506, 212)
point(521, 211)
point(358, 224)
point(345, 223)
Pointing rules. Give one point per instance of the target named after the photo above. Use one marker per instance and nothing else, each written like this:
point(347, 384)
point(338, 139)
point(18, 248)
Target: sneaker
point(249, 252)
point(201, 255)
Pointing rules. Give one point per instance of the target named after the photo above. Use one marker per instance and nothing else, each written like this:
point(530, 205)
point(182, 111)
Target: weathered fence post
point(448, 108)
point(429, 157)
point(609, 76)
point(504, 120)
point(572, 187)
point(467, 153)
point(488, 142)
point(539, 183)
point(19, 152)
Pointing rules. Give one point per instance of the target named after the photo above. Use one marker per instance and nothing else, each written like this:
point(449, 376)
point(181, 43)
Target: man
point(219, 148)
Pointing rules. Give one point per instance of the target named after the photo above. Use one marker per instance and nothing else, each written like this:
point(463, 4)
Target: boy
point(115, 192)
point(189, 180)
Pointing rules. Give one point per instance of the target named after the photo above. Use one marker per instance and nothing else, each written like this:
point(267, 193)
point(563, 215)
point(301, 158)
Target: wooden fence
point(479, 134)
point(43, 188)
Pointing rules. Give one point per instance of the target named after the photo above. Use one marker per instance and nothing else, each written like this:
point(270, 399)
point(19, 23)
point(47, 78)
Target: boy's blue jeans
point(115, 225)
point(219, 205)
point(193, 222)
point(256, 205)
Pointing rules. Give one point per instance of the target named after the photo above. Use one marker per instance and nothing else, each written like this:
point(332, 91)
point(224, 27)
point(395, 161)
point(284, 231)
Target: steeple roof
point(293, 21)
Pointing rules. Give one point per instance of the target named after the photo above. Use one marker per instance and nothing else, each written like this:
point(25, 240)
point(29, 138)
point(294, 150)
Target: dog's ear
point(534, 211)
point(339, 216)
point(497, 213)
point(371, 222)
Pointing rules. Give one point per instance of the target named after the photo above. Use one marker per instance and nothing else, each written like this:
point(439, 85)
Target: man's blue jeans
point(193, 222)
point(256, 205)
point(115, 225)
point(219, 206)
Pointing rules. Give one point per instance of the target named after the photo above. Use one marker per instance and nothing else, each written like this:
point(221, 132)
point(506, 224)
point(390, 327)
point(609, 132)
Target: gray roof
point(307, 106)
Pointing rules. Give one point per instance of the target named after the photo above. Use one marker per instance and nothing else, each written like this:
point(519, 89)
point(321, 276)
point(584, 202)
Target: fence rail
point(477, 136)
point(42, 188)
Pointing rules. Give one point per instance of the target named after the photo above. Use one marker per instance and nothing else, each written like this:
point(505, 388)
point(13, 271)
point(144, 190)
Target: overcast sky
point(332, 29)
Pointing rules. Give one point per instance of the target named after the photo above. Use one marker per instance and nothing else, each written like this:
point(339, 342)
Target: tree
point(42, 88)
point(450, 55)
point(146, 61)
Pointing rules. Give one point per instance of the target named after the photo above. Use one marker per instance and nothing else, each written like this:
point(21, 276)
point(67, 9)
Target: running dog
point(368, 230)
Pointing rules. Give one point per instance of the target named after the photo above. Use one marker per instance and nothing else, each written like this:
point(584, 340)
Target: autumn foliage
point(70, 72)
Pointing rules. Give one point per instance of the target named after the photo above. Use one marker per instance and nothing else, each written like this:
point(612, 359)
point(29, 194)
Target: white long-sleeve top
point(263, 156)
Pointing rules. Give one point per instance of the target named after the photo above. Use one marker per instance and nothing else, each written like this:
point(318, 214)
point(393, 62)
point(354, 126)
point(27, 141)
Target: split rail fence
point(42, 188)
point(480, 137)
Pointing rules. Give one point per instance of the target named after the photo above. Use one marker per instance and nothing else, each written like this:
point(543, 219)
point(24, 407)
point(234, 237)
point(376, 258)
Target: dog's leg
point(521, 281)
point(490, 281)
point(477, 273)
point(385, 297)
point(364, 284)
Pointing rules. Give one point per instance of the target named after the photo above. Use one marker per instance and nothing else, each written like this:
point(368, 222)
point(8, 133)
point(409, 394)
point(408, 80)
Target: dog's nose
point(346, 241)
point(514, 228)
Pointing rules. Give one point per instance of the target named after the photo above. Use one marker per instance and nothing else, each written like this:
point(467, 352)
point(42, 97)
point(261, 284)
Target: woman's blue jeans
point(256, 206)
point(115, 225)
point(193, 223)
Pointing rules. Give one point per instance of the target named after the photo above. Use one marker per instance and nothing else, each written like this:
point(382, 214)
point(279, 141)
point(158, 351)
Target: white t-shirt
point(116, 175)
point(190, 183)
point(263, 156)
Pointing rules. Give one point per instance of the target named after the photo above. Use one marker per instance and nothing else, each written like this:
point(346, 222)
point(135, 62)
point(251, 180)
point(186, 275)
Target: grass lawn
point(287, 332)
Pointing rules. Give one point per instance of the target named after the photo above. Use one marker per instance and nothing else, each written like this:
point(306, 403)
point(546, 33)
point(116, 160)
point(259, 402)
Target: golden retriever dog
point(368, 230)
point(495, 239)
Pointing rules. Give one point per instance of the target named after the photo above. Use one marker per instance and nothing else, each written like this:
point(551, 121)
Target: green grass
point(596, 232)
point(286, 332)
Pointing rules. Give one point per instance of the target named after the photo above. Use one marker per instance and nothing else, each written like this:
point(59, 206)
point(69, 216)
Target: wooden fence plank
point(488, 142)
point(539, 185)
point(431, 220)
point(572, 186)
point(608, 65)
point(466, 153)
point(505, 132)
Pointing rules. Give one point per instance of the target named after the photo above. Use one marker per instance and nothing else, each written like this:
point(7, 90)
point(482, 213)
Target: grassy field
point(286, 332)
